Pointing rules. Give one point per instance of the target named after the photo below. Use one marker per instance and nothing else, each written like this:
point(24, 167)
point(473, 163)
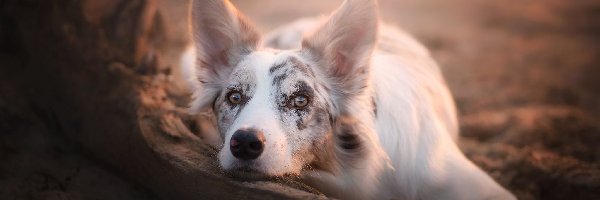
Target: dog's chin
point(248, 173)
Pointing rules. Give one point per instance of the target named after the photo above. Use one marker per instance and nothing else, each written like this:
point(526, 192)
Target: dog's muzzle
point(247, 144)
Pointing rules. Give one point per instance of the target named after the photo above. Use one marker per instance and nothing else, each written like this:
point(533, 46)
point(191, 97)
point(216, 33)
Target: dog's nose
point(247, 144)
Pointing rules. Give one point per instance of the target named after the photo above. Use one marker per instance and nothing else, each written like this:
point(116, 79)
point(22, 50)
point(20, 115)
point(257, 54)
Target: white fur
point(412, 152)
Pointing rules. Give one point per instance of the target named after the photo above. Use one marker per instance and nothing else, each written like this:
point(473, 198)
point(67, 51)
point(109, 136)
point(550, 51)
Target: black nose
point(247, 144)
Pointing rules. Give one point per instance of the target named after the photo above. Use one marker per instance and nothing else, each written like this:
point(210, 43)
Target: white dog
point(356, 110)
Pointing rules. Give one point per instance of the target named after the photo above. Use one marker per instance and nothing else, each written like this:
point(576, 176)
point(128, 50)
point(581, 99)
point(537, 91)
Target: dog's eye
point(300, 101)
point(235, 98)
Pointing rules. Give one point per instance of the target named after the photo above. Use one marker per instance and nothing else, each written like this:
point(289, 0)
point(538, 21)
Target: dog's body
point(357, 113)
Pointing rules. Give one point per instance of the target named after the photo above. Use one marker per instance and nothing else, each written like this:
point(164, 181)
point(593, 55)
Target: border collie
point(356, 109)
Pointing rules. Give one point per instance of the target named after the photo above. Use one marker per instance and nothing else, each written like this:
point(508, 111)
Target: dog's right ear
point(343, 46)
point(221, 37)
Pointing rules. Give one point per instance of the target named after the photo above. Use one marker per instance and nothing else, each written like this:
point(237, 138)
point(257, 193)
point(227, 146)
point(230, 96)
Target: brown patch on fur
point(342, 148)
point(349, 141)
point(347, 134)
point(324, 156)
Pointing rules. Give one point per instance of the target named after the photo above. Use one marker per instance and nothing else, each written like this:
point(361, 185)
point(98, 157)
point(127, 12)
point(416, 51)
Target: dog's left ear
point(221, 36)
point(343, 45)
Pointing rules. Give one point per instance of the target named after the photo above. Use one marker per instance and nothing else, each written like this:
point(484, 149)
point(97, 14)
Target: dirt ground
point(524, 74)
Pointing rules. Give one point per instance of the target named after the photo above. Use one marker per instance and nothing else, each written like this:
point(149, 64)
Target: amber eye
point(235, 98)
point(300, 101)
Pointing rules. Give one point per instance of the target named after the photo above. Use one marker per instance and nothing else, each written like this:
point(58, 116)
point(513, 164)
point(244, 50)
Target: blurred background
point(524, 73)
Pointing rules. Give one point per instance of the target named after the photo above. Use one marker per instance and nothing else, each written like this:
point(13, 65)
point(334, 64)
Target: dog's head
point(278, 111)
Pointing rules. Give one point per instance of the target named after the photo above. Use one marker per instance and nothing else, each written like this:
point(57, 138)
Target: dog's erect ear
point(343, 44)
point(221, 36)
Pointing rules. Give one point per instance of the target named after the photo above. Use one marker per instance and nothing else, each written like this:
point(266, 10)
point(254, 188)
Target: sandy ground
point(523, 72)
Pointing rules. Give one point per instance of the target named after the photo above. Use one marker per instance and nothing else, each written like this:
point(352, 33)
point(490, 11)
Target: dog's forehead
point(273, 64)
